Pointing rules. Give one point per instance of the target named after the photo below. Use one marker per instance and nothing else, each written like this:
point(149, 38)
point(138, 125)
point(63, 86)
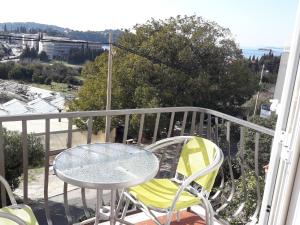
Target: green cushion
point(24, 212)
point(160, 193)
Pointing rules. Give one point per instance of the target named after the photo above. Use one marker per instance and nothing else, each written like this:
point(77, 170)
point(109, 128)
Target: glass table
point(105, 166)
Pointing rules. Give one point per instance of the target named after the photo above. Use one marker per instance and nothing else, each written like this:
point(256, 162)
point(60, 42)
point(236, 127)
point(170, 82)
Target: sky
point(253, 23)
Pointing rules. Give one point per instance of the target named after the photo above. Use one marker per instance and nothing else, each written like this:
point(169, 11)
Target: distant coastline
point(259, 52)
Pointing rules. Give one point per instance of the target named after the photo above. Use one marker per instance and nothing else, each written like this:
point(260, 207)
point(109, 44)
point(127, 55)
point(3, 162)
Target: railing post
point(25, 160)
point(141, 128)
point(107, 128)
point(232, 189)
point(171, 124)
point(156, 127)
point(2, 165)
point(183, 123)
point(254, 217)
point(70, 133)
point(46, 180)
point(242, 165)
point(209, 126)
point(201, 123)
point(126, 128)
point(217, 130)
point(192, 132)
point(89, 130)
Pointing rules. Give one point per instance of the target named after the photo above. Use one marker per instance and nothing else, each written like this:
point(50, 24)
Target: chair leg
point(169, 218)
point(178, 216)
point(125, 210)
point(120, 203)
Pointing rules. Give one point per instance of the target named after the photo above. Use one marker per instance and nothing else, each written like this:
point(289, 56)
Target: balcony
point(237, 194)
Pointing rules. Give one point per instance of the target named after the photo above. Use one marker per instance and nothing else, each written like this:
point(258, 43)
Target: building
point(30, 40)
point(59, 47)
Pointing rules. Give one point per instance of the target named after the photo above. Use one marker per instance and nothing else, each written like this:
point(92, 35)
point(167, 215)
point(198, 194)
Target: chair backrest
point(197, 154)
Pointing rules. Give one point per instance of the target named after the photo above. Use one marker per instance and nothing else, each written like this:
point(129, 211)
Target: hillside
point(52, 30)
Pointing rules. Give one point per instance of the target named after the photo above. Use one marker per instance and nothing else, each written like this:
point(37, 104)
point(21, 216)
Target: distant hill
point(52, 30)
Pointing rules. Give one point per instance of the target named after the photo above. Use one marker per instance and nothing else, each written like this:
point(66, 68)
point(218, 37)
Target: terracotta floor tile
point(186, 218)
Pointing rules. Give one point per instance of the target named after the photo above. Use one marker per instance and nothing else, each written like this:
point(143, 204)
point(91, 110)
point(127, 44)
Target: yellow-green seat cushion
point(24, 212)
point(160, 193)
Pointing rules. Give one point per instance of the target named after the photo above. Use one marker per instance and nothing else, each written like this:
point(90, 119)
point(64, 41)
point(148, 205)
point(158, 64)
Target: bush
point(13, 155)
point(3, 71)
point(265, 143)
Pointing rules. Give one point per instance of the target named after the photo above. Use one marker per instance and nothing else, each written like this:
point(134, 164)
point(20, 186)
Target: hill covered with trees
point(52, 30)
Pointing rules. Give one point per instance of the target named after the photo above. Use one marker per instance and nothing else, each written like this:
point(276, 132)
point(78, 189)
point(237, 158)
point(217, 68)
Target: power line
point(151, 58)
point(14, 37)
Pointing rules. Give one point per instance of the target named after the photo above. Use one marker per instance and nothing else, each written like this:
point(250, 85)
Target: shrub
point(13, 155)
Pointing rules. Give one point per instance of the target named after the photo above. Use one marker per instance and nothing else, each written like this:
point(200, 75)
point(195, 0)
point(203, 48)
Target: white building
point(30, 40)
point(59, 47)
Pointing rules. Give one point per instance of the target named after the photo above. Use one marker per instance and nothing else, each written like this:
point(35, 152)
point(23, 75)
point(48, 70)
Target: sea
point(248, 52)
point(259, 52)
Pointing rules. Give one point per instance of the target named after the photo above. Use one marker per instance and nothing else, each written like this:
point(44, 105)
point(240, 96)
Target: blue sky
point(253, 23)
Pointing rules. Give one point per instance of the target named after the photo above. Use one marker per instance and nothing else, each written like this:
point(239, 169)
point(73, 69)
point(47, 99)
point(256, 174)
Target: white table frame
point(113, 187)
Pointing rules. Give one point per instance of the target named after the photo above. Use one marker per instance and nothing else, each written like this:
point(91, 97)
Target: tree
point(81, 55)
point(43, 56)
point(188, 61)
point(20, 73)
point(3, 71)
point(30, 53)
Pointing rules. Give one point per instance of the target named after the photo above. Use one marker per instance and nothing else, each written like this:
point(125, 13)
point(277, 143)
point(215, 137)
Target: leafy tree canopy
point(189, 62)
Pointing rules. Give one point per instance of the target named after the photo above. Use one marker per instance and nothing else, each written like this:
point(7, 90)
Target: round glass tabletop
point(105, 165)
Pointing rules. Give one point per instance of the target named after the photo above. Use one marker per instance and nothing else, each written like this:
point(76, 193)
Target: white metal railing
point(194, 121)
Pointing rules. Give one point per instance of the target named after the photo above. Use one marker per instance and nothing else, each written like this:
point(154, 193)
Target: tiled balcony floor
point(186, 218)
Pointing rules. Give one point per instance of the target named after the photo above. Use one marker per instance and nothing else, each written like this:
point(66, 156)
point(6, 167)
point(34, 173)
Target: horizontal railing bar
point(95, 113)
point(137, 111)
point(57, 132)
point(55, 152)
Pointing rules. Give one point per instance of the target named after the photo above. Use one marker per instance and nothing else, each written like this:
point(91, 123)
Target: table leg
point(66, 204)
point(98, 205)
point(112, 216)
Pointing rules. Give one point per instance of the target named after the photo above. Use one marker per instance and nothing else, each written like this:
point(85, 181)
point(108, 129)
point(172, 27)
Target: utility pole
point(108, 90)
point(260, 81)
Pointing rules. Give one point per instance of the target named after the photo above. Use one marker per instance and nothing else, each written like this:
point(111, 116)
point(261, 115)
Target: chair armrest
point(12, 218)
point(8, 190)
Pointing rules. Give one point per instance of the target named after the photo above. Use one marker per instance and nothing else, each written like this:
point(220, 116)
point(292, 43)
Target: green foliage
point(30, 53)
point(250, 196)
point(96, 36)
point(40, 73)
point(20, 72)
point(13, 155)
point(43, 56)
point(3, 71)
point(81, 55)
point(249, 191)
point(265, 142)
point(189, 61)
point(271, 63)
